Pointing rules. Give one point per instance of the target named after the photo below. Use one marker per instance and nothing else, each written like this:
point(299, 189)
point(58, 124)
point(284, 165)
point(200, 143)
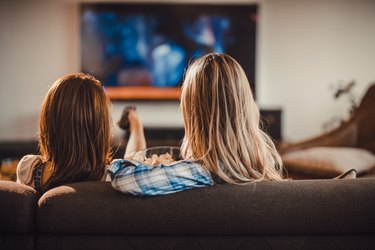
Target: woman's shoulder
point(24, 167)
point(28, 160)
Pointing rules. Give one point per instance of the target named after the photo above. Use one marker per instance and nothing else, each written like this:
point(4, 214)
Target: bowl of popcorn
point(155, 156)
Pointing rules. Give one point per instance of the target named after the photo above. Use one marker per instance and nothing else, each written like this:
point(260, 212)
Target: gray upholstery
point(17, 215)
point(308, 214)
point(13, 197)
point(306, 207)
point(295, 242)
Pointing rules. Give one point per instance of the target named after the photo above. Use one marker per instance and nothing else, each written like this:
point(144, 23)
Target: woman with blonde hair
point(223, 142)
point(222, 123)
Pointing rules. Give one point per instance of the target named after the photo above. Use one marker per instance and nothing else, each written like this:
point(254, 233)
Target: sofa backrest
point(266, 208)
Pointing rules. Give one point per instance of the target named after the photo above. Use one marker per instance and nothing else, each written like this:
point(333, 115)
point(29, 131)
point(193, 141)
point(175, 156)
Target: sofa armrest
point(17, 209)
point(343, 136)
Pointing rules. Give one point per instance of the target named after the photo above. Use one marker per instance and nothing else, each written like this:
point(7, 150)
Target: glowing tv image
point(141, 51)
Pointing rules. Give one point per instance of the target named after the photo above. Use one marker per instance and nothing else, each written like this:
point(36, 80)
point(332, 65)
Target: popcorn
point(165, 159)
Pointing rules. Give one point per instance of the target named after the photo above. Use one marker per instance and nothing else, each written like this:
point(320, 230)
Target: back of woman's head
point(75, 130)
point(222, 123)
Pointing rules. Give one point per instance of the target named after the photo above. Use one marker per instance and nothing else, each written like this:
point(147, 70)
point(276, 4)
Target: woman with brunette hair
point(223, 142)
point(74, 135)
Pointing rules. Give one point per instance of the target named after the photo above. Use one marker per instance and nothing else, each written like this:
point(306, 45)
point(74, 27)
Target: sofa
point(350, 145)
point(298, 214)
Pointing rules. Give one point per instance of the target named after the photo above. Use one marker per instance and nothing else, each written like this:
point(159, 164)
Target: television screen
point(141, 51)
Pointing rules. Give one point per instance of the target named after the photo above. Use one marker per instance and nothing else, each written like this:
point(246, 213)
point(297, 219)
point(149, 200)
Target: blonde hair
point(222, 123)
point(75, 130)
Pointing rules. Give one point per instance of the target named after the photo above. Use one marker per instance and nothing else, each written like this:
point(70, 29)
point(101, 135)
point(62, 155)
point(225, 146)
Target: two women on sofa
point(222, 144)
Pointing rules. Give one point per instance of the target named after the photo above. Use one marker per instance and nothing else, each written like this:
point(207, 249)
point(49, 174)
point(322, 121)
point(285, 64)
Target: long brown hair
point(75, 130)
point(222, 128)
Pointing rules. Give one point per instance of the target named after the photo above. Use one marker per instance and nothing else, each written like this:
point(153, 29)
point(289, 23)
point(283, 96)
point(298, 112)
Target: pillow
point(329, 161)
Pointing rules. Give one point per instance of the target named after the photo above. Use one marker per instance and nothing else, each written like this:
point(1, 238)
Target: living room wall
point(303, 48)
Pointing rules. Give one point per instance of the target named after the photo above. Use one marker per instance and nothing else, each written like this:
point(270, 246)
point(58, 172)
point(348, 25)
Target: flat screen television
point(141, 51)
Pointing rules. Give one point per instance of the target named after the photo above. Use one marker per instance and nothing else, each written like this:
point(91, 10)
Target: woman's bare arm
point(137, 139)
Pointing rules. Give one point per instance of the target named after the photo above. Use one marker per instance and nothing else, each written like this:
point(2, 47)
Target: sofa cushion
point(286, 207)
point(17, 209)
